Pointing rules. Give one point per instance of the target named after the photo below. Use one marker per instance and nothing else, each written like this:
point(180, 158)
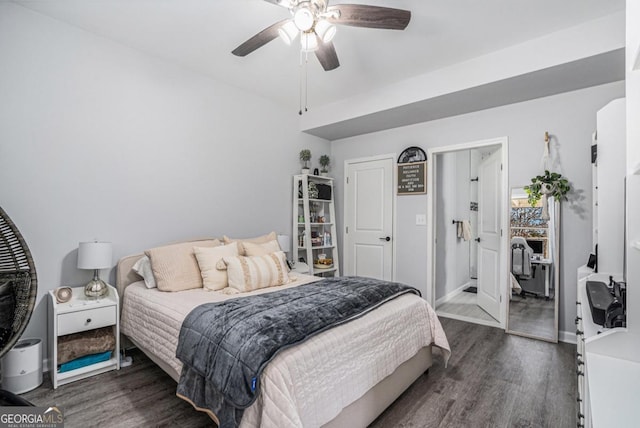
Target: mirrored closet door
point(534, 267)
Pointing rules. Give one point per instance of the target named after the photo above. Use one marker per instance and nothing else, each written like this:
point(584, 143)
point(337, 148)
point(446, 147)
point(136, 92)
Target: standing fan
point(314, 21)
point(18, 290)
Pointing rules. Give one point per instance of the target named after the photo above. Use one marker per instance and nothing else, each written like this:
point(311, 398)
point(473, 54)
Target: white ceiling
point(200, 35)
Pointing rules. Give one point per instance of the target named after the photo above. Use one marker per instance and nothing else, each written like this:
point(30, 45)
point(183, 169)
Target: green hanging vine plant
point(550, 184)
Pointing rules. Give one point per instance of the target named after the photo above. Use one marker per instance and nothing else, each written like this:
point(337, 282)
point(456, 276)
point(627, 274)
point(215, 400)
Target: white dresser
point(608, 366)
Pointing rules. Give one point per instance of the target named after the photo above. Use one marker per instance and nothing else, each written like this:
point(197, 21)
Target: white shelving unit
point(314, 227)
point(609, 179)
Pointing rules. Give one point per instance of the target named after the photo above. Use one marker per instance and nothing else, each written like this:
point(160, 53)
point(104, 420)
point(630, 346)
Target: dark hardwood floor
point(492, 380)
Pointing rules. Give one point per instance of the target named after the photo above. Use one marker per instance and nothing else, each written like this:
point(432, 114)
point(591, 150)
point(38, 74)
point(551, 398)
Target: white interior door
point(489, 212)
point(369, 193)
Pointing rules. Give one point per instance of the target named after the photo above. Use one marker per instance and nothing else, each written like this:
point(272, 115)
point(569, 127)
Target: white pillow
point(143, 268)
point(253, 249)
point(208, 258)
point(252, 273)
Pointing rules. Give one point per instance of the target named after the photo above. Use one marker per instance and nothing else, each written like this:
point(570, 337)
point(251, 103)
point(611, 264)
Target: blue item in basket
point(87, 360)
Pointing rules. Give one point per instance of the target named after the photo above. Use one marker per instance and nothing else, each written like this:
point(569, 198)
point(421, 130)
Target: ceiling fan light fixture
point(309, 41)
point(325, 30)
point(303, 18)
point(288, 32)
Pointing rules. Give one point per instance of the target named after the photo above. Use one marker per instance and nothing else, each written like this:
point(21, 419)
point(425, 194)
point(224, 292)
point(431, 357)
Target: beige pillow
point(175, 267)
point(252, 273)
point(253, 249)
point(257, 240)
point(208, 258)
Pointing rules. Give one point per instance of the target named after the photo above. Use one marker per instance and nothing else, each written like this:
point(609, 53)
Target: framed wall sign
point(412, 178)
point(412, 171)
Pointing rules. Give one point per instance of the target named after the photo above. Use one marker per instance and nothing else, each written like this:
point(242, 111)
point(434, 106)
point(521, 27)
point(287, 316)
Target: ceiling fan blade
point(326, 54)
point(260, 39)
point(283, 3)
point(362, 15)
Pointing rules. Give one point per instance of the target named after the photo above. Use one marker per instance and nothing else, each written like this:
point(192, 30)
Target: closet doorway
point(468, 188)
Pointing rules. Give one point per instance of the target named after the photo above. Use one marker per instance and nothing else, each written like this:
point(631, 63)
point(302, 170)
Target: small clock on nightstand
point(79, 314)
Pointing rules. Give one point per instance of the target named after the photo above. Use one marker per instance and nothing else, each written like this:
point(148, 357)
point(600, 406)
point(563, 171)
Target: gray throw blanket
point(225, 346)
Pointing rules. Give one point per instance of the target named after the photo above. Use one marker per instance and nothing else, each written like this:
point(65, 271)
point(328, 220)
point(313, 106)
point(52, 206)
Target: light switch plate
point(421, 219)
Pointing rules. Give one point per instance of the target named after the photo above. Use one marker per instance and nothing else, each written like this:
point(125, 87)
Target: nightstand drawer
point(89, 319)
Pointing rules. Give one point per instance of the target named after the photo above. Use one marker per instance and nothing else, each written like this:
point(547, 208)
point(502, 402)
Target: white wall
point(101, 141)
point(462, 195)
point(452, 253)
point(569, 117)
point(476, 158)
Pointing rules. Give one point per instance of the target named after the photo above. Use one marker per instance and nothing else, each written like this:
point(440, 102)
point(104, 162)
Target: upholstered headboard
point(125, 275)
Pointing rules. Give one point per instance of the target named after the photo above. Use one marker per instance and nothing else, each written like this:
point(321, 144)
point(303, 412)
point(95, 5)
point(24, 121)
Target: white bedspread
point(307, 385)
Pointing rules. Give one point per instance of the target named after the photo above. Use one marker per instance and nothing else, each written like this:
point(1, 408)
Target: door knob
point(477, 239)
point(386, 238)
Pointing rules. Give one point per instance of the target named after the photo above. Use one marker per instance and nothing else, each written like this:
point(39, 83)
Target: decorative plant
point(305, 156)
point(543, 186)
point(325, 161)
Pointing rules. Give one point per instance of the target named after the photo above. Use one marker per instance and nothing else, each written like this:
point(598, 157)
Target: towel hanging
point(465, 225)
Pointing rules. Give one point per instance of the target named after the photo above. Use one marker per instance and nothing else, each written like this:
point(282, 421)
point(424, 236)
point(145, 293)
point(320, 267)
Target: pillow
point(175, 267)
point(143, 268)
point(257, 240)
point(252, 273)
point(208, 258)
point(253, 249)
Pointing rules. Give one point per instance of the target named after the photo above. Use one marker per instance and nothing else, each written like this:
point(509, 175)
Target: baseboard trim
point(451, 294)
point(469, 319)
point(567, 337)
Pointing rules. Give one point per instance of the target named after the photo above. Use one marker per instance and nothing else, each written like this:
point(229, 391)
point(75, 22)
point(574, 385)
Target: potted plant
point(325, 161)
point(543, 186)
point(305, 156)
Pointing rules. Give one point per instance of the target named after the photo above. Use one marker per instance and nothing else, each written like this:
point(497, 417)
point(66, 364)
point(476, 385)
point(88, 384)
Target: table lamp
point(285, 243)
point(95, 255)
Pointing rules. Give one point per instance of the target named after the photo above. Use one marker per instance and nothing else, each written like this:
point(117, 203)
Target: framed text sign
point(412, 178)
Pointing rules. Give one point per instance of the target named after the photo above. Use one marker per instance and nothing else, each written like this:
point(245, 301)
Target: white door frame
point(504, 222)
point(345, 253)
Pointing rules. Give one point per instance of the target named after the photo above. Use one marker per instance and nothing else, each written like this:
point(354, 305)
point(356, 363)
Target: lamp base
point(96, 288)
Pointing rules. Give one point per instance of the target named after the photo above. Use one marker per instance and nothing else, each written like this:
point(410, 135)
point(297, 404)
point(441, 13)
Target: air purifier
point(22, 366)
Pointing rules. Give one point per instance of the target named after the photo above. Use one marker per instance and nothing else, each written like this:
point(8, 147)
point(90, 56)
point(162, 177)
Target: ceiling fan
point(314, 21)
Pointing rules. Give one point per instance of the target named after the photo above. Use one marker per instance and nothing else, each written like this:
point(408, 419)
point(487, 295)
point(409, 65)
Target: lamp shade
point(288, 32)
point(94, 255)
point(285, 243)
point(325, 30)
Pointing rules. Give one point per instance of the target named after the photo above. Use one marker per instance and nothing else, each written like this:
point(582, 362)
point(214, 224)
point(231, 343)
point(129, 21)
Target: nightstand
point(82, 314)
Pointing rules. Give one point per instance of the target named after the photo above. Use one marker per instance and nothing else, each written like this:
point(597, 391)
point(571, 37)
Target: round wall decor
point(412, 154)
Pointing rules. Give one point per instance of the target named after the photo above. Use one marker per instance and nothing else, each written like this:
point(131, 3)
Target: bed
point(345, 376)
